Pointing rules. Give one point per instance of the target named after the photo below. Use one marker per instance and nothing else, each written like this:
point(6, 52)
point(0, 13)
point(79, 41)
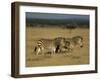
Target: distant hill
point(67, 22)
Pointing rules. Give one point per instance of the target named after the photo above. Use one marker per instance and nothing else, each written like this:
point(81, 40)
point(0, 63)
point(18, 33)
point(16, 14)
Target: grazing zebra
point(45, 46)
point(76, 41)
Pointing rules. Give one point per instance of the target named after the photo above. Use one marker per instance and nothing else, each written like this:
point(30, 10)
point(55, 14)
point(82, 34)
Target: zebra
point(78, 40)
point(49, 45)
point(57, 45)
point(45, 46)
point(60, 44)
point(71, 43)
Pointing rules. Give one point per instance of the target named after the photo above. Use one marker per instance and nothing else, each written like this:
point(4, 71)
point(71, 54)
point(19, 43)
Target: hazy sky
point(55, 16)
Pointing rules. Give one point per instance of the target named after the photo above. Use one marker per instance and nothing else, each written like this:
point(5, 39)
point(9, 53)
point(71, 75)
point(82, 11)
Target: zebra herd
point(57, 45)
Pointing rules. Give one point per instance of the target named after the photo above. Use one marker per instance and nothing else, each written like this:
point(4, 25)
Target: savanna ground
point(76, 57)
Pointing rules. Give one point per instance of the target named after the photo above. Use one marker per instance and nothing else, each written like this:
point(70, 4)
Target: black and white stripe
point(45, 46)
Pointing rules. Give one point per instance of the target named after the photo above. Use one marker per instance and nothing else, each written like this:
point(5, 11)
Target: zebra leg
point(37, 50)
point(57, 49)
point(53, 51)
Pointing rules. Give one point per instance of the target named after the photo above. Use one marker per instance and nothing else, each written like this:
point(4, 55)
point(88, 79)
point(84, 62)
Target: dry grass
point(78, 56)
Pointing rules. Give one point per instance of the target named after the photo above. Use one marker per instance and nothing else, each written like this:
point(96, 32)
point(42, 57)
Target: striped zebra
point(49, 45)
point(60, 44)
point(71, 43)
point(45, 46)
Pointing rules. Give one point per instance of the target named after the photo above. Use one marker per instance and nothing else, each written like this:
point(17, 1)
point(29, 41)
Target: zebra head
point(78, 40)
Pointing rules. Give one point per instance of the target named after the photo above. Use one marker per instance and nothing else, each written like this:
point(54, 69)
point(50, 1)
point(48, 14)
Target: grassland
point(78, 56)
